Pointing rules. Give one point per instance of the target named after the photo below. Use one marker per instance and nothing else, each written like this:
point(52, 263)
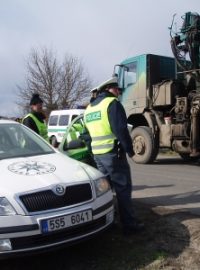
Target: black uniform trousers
point(117, 170)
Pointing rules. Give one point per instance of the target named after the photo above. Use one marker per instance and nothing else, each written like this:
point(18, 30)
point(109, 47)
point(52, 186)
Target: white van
point(58, 122)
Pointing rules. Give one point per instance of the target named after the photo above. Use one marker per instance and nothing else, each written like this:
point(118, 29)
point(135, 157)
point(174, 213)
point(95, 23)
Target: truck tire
point(143, 145)
point(54, 142)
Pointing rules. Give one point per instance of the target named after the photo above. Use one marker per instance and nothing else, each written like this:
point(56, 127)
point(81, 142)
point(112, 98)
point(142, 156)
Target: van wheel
point(54, 141)
point(143, 145)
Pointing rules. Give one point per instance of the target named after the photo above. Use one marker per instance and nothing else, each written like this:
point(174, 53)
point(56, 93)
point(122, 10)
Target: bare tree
point(75, 83)
point(60, 85)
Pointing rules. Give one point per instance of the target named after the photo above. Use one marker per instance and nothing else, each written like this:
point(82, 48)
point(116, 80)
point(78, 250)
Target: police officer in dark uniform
point(36, 118)
point(106, 121)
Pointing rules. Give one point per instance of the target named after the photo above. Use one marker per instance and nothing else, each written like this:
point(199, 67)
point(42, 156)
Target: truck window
point(130, 74)
point(53, 120)
point(64, 119)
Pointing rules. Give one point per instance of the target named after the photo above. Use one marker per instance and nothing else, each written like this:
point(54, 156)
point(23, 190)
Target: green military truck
point(161, 96)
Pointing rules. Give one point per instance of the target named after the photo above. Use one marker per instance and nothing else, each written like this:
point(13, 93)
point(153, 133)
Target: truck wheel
point(54, 141)
point(143, 145)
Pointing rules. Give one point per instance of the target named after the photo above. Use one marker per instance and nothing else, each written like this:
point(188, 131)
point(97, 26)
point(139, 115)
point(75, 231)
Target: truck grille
point(47, 199)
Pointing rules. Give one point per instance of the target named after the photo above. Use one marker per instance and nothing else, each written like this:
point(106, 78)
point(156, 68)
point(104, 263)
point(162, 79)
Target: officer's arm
point(118, 123)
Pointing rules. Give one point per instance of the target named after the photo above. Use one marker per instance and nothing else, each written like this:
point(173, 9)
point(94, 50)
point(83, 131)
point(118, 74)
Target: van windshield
point(64, 120)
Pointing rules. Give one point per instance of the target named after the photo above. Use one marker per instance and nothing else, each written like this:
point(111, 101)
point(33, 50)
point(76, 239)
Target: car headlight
point(101, 185)
point(6, 208)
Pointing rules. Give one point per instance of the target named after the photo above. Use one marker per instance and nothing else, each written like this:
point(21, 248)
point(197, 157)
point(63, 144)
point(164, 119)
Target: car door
point(76, 142)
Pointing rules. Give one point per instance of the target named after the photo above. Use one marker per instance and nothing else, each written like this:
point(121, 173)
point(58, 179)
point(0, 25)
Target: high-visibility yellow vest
point(97, 123)
point(42, 128)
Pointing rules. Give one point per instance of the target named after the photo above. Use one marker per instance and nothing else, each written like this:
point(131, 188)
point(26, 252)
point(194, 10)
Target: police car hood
point(37, 172)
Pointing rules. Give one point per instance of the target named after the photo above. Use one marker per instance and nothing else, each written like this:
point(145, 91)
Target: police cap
point(112, 82)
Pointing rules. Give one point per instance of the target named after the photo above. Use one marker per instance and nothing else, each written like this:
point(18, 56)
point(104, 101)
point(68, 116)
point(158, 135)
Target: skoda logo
point(59, 190)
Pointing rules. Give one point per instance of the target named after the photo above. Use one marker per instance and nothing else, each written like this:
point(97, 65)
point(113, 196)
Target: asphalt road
point(168, 182)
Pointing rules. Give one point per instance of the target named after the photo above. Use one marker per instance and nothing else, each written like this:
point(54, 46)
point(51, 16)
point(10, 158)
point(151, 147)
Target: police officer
point(36, 118)
point(106, 121)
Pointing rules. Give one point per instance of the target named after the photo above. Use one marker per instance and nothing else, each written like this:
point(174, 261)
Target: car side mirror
point(73, 145)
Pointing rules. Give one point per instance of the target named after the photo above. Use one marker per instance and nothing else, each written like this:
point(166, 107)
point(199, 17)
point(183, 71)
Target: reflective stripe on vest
point(42, 128)
point(97, 123)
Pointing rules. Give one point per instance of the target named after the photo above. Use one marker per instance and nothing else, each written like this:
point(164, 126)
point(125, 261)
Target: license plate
point(61, 222)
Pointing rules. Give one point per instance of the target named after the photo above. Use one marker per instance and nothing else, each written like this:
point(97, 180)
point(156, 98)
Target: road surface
point(169, 182)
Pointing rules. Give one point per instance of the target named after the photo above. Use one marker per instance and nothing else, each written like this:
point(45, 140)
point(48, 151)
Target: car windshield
point(17, 140)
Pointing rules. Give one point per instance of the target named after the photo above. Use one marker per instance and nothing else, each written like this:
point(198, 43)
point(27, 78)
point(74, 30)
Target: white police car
point(46, 198)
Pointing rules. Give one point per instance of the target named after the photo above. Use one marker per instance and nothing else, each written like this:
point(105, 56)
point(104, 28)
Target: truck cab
point(137, 75)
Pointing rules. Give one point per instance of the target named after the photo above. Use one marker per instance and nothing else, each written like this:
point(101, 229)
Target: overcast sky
point(99, 32)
